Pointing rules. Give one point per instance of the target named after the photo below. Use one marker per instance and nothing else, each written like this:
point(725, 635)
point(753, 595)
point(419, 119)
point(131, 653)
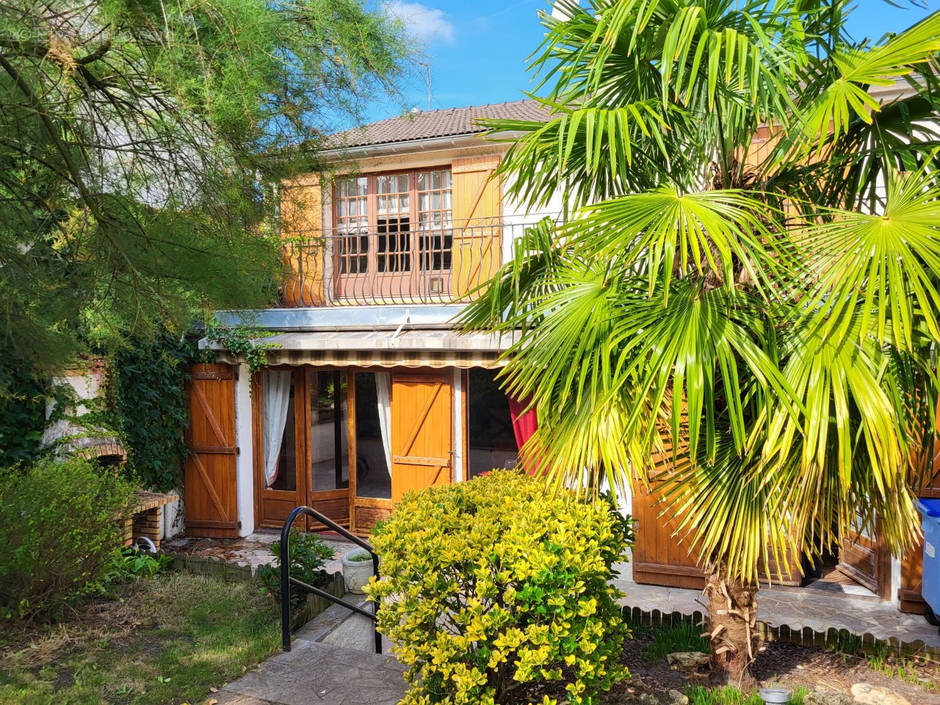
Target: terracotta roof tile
point(436, 123)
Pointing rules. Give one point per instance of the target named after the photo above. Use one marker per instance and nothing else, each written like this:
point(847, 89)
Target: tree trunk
point(732, 626)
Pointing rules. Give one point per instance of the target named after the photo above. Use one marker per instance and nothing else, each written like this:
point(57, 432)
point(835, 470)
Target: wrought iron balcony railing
point(395, 264)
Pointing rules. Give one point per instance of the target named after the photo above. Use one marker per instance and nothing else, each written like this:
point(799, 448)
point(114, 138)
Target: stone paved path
point(318, 673)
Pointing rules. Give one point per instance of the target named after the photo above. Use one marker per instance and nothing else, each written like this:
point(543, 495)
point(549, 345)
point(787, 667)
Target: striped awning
point(385, 348)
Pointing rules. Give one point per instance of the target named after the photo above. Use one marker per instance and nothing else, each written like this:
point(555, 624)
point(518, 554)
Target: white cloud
point(425, 23)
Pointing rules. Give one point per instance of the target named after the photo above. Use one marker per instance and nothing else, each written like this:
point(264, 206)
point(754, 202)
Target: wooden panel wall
point(422, 432)
point(209, 484)
point(301, 207)
point(477, 207)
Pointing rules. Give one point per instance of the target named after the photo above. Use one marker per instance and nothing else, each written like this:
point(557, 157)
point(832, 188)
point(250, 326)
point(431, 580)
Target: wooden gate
point(209, 485)
point(422, 432)
point(865, 559)
point(660, 557)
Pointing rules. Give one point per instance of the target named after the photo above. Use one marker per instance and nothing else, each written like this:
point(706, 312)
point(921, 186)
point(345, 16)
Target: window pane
point(490, 436)
point(329, 443)
point(372, 440)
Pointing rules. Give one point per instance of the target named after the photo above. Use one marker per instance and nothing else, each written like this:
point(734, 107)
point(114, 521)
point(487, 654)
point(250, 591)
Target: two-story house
point(370, 391)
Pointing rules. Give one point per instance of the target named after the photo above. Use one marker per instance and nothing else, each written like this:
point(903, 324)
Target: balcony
point(429, 265)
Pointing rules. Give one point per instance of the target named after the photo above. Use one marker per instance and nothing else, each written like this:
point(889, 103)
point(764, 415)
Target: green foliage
point(135, 142)
point(148, 403)
point(762, 304)
point(494, 589)
point(729, 695)
point(23, 400)
point(308, 554)
point(128, 564)
point(243, 342)
point(684, 636)
point(59, 526)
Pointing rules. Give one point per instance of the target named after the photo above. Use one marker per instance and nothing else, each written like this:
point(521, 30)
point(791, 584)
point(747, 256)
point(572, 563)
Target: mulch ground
point(790, 666)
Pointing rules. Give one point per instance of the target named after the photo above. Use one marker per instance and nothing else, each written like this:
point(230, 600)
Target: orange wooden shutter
point(477, 208)
point(209, 479)
point(303, 248)
point(422, 432)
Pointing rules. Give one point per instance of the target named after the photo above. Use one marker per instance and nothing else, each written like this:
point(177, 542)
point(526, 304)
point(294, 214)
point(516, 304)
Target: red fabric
point(524, 424)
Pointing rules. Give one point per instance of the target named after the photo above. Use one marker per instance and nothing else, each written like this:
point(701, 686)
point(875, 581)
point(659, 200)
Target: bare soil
point(790, 666)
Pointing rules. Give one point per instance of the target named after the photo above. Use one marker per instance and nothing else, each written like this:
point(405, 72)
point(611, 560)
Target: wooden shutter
point(422, 432)
point(303, 249)
point(209, 484)
point(477, 209)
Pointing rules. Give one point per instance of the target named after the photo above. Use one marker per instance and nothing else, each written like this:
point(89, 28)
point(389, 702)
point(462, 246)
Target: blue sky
point(477, 49)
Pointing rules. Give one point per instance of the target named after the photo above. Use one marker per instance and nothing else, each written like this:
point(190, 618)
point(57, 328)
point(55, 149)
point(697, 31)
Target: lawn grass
point(167, 639)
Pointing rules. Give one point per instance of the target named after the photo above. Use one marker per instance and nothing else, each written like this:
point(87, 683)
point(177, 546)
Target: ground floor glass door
point(301, 444)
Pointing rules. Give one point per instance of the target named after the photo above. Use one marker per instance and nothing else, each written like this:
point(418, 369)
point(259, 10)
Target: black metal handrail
point(287, 580)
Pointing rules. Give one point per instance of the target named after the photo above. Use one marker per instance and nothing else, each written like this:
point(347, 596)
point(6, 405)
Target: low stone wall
point(839, 640)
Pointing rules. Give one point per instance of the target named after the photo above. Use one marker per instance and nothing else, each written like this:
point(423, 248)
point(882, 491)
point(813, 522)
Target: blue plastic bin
point(930, 509)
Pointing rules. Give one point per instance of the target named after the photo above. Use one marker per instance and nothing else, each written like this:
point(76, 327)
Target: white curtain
point(275, 390)
point(383, 395)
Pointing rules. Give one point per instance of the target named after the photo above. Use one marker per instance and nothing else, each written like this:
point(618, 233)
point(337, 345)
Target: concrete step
point(341, 627)
point(313, 672)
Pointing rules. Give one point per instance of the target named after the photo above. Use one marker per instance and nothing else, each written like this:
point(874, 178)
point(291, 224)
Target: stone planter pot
point(356, 573)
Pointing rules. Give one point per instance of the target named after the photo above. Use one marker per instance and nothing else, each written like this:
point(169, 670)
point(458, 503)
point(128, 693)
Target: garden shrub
point(497, 591)
point(308, 555)
point(59, 527)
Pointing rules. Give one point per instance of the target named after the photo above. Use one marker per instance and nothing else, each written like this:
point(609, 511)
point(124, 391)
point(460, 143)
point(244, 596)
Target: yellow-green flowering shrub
point(497, 591)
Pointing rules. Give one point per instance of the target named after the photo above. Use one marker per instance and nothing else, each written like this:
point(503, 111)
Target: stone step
point(314, 672)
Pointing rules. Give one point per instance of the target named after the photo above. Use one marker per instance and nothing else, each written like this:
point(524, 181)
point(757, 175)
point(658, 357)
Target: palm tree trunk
point(732, 626)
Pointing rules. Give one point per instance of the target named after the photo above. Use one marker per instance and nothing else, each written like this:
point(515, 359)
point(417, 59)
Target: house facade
point(369, 390)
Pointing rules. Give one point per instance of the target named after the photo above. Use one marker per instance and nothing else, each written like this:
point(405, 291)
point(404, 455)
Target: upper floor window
point(393, 224)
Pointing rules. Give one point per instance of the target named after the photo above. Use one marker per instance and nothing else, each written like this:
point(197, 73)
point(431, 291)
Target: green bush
point(59, 527)
point(308, 555)
point(497, 591)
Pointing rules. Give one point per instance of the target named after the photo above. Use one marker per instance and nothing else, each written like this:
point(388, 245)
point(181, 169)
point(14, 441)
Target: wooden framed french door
point(301, 444)
point(401, 438)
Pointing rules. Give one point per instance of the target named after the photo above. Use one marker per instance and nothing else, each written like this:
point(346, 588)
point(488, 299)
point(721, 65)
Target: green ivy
point(22, 415)
point(148, 402)
point(245, 343)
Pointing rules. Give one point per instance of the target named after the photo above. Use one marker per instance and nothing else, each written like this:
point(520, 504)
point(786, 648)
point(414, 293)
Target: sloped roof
point(435, 123)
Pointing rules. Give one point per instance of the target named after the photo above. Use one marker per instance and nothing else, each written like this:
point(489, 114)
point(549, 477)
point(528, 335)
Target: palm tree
point(741, 302)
